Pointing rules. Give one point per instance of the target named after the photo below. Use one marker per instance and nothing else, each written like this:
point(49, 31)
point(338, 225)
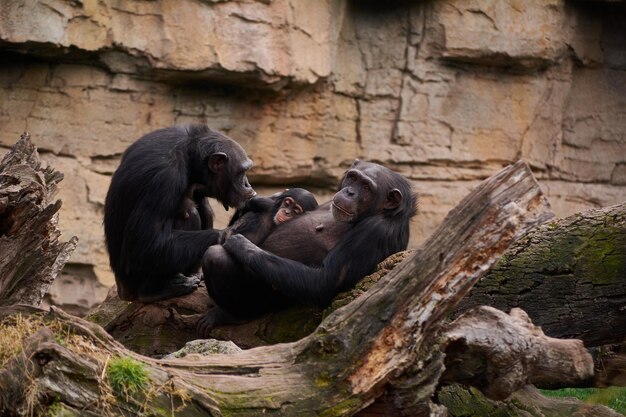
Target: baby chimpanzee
point(258, 217)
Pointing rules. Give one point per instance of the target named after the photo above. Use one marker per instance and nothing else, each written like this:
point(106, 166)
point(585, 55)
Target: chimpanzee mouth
point(341, 209)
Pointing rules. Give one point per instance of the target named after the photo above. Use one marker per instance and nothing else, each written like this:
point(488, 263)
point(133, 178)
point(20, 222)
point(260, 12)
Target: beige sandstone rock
point(265, 42)
point(445, 92)
point(504, 33)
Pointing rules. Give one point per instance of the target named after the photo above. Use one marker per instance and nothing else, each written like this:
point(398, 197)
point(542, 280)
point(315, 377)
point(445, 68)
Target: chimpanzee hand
point(240, 247)
point(225, 234)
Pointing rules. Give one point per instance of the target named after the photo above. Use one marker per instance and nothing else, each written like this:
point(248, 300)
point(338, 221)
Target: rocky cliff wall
point(444, 91)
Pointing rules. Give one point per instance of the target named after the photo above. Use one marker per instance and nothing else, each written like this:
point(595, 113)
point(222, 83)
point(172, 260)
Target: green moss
point(58, 409)
point(345, 298)
point(323, 380)
point(107, 311)
point(292, 324)
point(127, 376)
point(553, 225)
point(596, 254)
point(60, 339)
point(602, 261)
point(465, 402)
point(140, 342)
point(342, 408)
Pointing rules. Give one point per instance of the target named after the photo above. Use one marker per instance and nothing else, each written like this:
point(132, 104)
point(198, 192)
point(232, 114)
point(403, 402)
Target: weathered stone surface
point(503, 33)
point(271, 43)
point(204, 347)
point(594, 138)
point(446, 92)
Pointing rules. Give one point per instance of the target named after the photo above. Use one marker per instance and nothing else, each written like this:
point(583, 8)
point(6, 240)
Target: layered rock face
point(445, 91)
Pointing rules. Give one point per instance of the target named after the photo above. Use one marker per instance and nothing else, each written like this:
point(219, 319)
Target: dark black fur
point(256, 219)
point(158, 175)
point(195, 213)
point(314, 257)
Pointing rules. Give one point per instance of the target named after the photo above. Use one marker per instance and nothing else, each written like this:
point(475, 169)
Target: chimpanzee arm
point(152, 246)
point(353, 258)
point(187, 247)
point(253, 220)
point(256, 205)
point(205, 211)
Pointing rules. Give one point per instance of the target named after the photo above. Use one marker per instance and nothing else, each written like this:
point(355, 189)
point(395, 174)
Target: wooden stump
point(32, 255)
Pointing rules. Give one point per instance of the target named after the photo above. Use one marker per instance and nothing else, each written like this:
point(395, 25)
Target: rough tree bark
point(32, 255)
point(386, 345)
point(568, 275)
point(387, 341)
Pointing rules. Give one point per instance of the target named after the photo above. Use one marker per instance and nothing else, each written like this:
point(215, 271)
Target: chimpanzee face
point(356, 197)
point(229, 170)
point(364, 191)
point(287, 210)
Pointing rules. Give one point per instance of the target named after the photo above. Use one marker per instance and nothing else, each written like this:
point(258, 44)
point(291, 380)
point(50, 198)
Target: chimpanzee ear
point(394, 198)
point(217, 161)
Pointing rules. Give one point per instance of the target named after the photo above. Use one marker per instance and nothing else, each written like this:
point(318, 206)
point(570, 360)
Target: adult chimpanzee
point(317, 255)
point(158, 176)
point(260, 215)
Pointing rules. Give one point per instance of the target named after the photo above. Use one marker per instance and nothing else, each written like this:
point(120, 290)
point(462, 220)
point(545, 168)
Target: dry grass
point(15, 331)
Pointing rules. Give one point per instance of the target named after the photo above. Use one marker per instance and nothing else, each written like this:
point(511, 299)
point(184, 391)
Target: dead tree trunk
point(32, 255)
point(568, 275)
point(469, 402)
point(384, 346)
point(385, 341)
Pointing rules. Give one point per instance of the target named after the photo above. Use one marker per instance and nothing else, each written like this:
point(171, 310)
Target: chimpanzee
point(317, 255)
point(194, 212)
point(259, 215)
point(158, 175)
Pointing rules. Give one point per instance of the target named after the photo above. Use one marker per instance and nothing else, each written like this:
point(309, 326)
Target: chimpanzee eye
point(366, 187)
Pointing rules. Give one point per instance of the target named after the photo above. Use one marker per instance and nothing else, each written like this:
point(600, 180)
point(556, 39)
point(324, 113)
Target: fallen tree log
point(60, 353)
point(610, 365)
point(481, 343)
point(32, 255)
point(568, 275)
point(387, 340)
point(46, 376)
point(134, 324)
point(463, 401)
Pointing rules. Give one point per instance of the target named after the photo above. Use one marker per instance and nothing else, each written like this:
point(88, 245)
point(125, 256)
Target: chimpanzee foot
point(213, 318)
point(177, 286)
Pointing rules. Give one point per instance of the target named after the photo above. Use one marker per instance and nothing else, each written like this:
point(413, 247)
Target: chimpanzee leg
point(206, 214)
point(219, 268)
point(238, 292)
